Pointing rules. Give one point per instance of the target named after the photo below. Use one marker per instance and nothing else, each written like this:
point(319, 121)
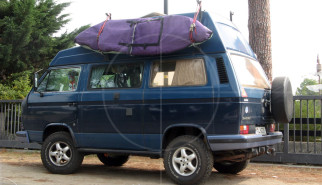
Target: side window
point(116, 76)
point(61, 80)
point(188, 72)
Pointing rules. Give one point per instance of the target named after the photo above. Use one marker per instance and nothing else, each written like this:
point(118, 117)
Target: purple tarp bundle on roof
point(144, 36)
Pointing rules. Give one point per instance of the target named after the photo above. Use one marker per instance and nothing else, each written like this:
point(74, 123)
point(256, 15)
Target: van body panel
point(109, 140)
point(105, 112)
point(51, 108)
point(256, 108)
point(35, 136)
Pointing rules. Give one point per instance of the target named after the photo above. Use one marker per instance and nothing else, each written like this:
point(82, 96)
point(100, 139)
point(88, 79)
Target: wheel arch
point(176, 130)
point(57, 127)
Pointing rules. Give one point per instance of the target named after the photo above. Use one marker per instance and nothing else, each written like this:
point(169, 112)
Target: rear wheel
point(187, 160)
point(59, 155)
point(231, 167)
point(112, 160)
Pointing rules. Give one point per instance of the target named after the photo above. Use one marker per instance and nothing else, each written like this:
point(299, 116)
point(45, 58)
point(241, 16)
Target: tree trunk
point(259, 25)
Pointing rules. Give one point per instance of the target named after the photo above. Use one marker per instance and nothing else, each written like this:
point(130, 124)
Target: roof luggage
point(145, 36)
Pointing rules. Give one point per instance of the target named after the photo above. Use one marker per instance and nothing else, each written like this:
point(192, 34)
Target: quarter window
point(61, 80)
point(188, 72)
point(116, 76)
point(43, 84)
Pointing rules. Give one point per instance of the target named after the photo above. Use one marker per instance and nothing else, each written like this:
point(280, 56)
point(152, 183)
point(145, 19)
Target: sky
point(296, 26)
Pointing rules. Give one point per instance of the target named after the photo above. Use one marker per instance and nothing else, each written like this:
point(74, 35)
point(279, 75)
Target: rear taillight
point(272, 127)
point(244, 129)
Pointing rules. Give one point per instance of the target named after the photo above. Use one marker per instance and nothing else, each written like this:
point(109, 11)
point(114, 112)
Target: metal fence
point(10, 118)
point(10, 123)
point(302, 136)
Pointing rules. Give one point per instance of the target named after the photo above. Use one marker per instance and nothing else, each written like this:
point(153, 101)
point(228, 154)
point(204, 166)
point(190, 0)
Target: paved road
point(24, 169)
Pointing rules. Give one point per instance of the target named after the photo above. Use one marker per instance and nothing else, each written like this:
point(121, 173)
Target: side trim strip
point(157, 101)
point(133, 152)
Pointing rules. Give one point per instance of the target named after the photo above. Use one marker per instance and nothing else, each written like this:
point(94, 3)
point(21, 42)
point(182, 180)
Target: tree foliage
point(306, 108)
point(26, 34)
point(17, 86)
point(304, 91)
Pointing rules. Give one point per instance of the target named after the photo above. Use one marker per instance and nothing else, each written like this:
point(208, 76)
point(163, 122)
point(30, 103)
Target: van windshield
point(249, 72)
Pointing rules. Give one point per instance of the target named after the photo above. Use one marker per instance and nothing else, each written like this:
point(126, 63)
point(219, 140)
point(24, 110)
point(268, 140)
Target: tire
point(59, 155)
point(185, 151)
point(112, 160)
point(282, 100)
point(231, 167)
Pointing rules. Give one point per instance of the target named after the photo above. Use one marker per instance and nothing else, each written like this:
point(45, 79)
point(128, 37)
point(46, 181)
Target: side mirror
point(36, 79)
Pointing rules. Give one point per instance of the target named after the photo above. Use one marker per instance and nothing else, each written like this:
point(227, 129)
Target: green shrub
point(16, 87)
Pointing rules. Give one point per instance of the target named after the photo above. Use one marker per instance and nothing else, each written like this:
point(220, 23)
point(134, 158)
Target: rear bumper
point(237, 142)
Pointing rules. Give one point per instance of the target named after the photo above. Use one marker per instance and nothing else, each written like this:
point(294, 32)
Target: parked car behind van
point(202, 107)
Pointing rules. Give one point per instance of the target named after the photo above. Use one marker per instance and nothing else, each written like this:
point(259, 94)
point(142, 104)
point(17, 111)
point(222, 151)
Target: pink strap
point(102, 28)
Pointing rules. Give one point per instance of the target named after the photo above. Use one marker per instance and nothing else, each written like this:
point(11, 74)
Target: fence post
point(286, 137)
point(2, 123)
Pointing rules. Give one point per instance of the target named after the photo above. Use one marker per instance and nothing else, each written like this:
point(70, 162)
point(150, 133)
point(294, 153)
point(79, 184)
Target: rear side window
point(249, 72)
point(187, 72)
point(61, 80)
point(116, 76)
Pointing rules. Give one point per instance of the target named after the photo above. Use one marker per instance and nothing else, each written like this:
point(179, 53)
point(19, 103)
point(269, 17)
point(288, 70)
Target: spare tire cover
point(282, 100)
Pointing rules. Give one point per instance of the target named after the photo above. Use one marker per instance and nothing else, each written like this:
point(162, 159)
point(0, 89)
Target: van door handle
point(116, 96)
point(72, 104)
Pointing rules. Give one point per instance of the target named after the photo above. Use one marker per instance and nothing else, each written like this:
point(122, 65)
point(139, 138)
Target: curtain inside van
point(189, 72)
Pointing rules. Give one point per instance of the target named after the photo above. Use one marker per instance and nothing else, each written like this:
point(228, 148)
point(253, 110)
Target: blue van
point(203, 107)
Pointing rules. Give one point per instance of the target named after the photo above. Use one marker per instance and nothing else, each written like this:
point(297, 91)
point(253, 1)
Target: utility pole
point(166, 7)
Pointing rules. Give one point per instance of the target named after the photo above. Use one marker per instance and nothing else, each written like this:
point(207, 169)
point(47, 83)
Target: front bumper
point(238, 142)
point(22, 136)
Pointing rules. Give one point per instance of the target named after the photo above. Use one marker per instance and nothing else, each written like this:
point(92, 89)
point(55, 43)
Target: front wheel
point(187, 160)
point(231, 167)
point(59, 155)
